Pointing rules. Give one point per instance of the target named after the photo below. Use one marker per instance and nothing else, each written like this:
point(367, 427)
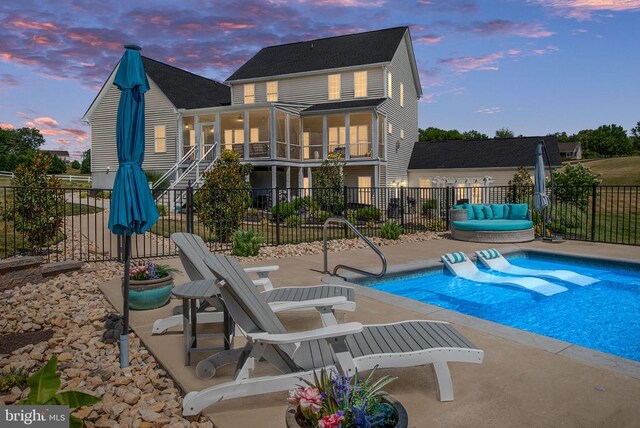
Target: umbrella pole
point(124, 337)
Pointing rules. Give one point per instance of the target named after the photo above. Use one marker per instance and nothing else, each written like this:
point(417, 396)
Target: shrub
point(520, 186)
point(162, 210)
point(283, 210)
point(367, 214)
point(429, 205)
point(390, 230)
point(328, 182)
point(293, 220)
point(574, 184)
point(38, 202)
point(103, 194)
point(14, 377)
point(320, 215)
point(246, 243)
point(558, 228)
point(75, 164)
point(301, 202)
point(222, 199)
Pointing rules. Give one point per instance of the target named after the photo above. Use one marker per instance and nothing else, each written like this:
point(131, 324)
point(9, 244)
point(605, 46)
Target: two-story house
point(285, 110)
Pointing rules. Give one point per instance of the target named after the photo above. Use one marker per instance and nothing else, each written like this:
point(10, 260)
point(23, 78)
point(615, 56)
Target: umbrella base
point(552, 239)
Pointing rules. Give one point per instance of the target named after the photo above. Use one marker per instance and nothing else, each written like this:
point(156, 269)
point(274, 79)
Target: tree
point(57, 166)
point(328, 182)
point(75, 164)
point(574, 184)
point(38, 202)
point(85, 166)
point(504, 133)
point(222, 199)
point(474, 135)
point(606, 141)
point(520, 186)
point(437, 134)
point(635, 138)
point(17, 146)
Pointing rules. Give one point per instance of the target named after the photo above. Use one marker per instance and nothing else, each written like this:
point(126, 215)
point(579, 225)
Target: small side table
point(204, 291)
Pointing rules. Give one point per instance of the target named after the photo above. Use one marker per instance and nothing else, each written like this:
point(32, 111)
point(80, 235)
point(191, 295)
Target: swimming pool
point(603, 316)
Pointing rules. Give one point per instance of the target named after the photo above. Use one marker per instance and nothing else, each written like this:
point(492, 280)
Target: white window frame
point(360, 84)
point(401, 94)
point(334, 86)
point(389, 84)
point(249, 93)
point(272, 91)
point(160, 142)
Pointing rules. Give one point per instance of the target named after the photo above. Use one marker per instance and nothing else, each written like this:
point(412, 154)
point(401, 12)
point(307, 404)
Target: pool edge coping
point(584, 355)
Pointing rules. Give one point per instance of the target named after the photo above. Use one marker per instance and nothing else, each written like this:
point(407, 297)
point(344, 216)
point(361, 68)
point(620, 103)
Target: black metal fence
point(288, 216)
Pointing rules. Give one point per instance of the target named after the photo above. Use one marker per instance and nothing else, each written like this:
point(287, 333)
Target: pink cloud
point(430, 39)
point(521, 29)
point(487, 62)
point(346, 3)
point(46, 121)
point(79, 135)
point(583, 10)
point(34, 25)
point(514, 51)
point(6, 125)
point(8, 80)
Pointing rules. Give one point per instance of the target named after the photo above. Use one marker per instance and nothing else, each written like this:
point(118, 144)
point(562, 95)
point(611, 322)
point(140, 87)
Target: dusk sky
point(534, 66)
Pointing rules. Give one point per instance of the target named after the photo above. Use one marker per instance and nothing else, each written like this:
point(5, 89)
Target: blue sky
point(534, 66)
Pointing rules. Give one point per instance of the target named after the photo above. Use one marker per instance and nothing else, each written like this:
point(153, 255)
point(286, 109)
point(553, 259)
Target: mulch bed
point(13, 341)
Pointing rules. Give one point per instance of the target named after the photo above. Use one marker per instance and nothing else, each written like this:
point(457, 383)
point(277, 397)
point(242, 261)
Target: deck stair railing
point(366, 240)
point(174, 168)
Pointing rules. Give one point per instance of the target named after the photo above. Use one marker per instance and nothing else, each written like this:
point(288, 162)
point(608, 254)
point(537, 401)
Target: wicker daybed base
point(494, 236)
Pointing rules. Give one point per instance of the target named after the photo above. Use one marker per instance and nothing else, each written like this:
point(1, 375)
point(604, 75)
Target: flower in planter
point(334, 400)
point(149, 270)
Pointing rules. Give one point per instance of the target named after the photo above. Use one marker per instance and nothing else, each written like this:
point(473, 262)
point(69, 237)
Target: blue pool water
point(603, 316)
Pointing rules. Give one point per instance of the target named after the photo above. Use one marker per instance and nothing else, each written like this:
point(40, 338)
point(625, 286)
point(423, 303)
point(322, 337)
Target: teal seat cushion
point(457, 207)
point(470, 215)
point(518, 211)
point(488, 213)
point(493, 225)
point(499, 210)
point(478, 212)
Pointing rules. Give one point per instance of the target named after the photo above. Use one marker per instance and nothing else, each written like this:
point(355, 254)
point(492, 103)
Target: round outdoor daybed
point(491, 231)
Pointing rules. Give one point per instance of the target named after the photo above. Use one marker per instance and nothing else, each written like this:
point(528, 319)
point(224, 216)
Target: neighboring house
point(570, 150)
point(62, 154)
point(471, 165)
point(285, 110)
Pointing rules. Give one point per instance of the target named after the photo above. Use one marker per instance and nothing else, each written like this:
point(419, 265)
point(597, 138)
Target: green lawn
point(622, 171)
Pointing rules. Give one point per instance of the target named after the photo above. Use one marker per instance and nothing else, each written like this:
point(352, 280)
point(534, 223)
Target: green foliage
point(153, 177)
point(85, 166)
point(435, 225)
point(504, 133)
point(222, 199)
point(635, 138)
point(474, 135)
point(520, 186)
point(75, 164)
point(391, 230)
point(162, 210)
point(13, 378)
point(246, 243)
point(320, 215)
point(38, 202)
point(18, 146)
point(57, 166)
point(436, 134)
point(328, 182)
point(283, 210)
point(44, 385)
point(103, 194)
point(429, 205)
point(574, 184)
point(293, 221)
point(606, 141)
point(367, 214)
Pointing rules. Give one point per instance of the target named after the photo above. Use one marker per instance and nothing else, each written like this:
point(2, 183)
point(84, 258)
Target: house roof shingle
point(371, 47)
point(568, 146)
point(344, 105)
point(493, 153)
point(184, 89)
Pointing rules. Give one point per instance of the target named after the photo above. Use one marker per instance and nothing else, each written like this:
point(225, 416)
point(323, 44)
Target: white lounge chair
point(348, 347)
point(325, 298)
point(460, 265)
point(492, 259)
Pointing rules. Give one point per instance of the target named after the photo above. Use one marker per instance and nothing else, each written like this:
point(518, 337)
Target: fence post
point(447, 205)
point(402, 196)
point(345, 203)
point(277, 216)
point(189, 208)
point(594, 191)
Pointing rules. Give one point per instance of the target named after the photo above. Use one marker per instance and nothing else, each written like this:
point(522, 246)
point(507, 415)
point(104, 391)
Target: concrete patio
point(525, 380)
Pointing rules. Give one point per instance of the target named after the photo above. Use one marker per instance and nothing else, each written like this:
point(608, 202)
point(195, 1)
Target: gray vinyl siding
point(405, 118)
point(314, 89)
point(158, 111)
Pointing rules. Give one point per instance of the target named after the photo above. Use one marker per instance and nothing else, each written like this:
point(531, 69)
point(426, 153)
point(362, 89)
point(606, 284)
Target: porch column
point(216, 137)
point(247, 134)
point(287, 170)
point(272, 132)
point(300, 177)
point(287, 136)
point(274, 184)
point(196, 129)
point(374, 137)
point(180, 146)
point(325, 139)
point(309, 176)
point(376, 175)
point(347, 136)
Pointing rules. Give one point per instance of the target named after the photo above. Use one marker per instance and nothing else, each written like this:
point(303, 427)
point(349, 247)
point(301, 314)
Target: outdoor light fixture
point(398, 144)
point(108, 169)
point(186, 126)
point(239, 119)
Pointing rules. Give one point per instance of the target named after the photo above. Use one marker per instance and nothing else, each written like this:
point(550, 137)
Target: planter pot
point(150, 294)
point(401, 413)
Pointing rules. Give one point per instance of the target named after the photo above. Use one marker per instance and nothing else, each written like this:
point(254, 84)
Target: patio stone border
point(575, 352)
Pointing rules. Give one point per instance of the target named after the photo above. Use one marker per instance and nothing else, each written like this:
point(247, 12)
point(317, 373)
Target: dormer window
point(272, 91)
point(389, 84)
point(334, 86)
point(249, 93)
point(360, 83)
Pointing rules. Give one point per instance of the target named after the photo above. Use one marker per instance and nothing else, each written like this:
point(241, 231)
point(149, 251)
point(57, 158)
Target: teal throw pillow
point(488, 214)
point(498, 210)
point(518, 211)
point(470, 213)
point(478, 211)
point(458, 207)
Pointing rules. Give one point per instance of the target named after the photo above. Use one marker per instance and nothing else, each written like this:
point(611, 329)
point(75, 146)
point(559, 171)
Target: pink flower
point(307, 398)
point(331, 421)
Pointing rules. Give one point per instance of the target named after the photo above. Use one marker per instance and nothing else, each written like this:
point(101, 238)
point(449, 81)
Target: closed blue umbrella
point(132, 206)
point(540, 198)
